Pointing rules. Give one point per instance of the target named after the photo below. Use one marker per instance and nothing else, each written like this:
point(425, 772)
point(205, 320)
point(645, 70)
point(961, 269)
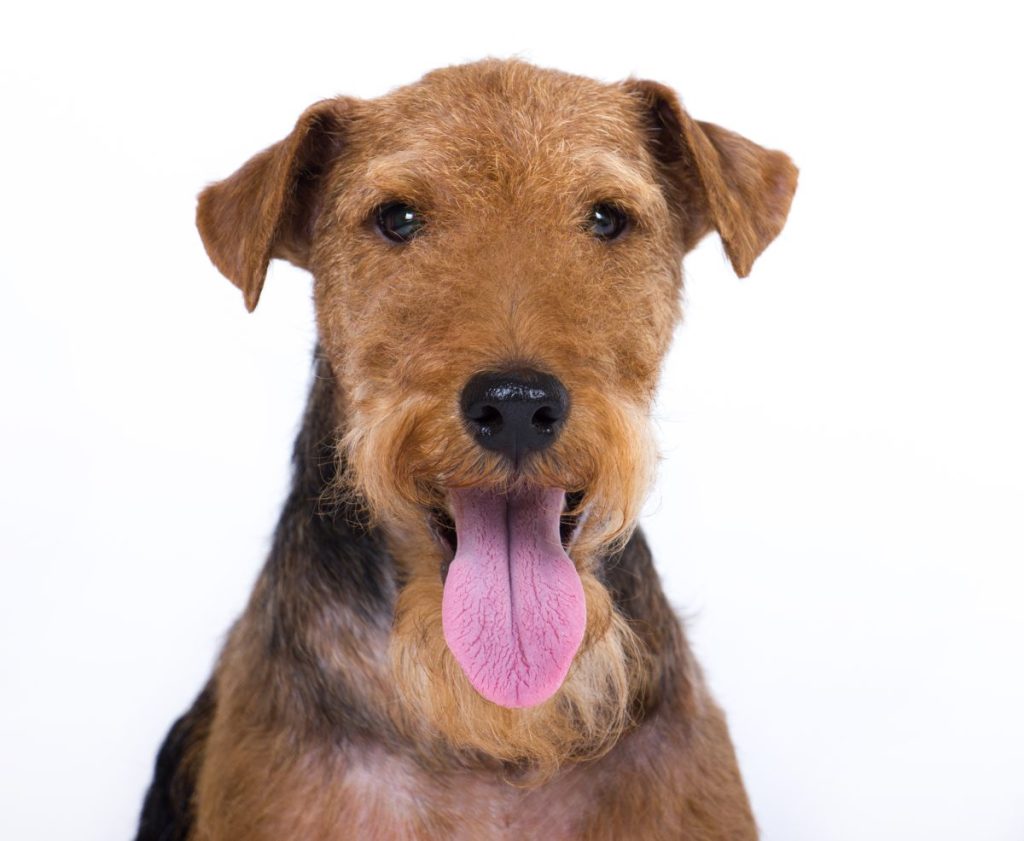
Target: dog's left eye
point(607, 222)
point(398, 221)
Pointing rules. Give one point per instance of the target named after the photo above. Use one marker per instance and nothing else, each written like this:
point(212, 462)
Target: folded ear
point(727, 182)
point(268, 207)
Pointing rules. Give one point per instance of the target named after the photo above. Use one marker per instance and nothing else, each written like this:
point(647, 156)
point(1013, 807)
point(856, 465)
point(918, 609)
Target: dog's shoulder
point(167, 811)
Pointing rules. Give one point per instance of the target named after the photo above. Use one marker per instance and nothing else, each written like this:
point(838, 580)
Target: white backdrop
point(839, 511)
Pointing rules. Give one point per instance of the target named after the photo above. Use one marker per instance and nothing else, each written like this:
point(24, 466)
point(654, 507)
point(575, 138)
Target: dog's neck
point(343, 556)
point(325, 550)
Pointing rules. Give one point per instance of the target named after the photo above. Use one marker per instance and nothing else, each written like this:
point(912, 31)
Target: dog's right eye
point(398, 221)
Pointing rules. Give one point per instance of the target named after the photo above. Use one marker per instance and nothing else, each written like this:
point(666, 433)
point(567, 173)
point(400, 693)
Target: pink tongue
point(513, 609)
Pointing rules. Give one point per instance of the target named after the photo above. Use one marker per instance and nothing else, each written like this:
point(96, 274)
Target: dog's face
point(496, 252)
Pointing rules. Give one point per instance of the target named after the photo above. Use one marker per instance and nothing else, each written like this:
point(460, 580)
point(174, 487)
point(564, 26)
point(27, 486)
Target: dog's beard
point(557, 679)
point(583, 719)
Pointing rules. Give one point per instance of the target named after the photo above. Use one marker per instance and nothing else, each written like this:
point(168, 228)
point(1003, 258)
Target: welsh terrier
point(459, 632)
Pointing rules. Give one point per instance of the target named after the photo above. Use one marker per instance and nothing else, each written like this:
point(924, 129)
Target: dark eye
point(398, 221)
point(607, 222)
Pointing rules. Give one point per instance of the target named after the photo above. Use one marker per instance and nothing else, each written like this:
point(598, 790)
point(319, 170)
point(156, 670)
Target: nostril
point(545, 419)
point(486, 418)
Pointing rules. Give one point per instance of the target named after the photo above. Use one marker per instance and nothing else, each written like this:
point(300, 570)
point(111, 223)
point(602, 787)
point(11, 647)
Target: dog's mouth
point(443, 527)
point(513, 608)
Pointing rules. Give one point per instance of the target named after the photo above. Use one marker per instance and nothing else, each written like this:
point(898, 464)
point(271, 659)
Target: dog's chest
point(389, 798)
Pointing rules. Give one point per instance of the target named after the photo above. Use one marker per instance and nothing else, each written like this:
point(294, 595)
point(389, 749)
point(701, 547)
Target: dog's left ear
point(726, 181)
point(269, 206)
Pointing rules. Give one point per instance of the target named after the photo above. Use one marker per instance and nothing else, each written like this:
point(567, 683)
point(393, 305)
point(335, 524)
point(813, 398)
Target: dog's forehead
point(504, 114)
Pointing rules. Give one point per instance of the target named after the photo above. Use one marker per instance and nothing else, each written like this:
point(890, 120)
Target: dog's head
point(496, 252)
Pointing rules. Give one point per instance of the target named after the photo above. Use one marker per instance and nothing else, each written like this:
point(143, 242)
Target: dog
point(459, 632)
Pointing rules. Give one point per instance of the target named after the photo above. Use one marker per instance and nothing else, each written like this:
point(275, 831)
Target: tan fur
point(505, 161)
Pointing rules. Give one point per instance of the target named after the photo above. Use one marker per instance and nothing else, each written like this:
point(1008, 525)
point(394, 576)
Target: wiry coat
point(336, 710)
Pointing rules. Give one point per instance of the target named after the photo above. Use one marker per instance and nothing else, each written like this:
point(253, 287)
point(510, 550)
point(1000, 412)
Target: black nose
point(514, 412)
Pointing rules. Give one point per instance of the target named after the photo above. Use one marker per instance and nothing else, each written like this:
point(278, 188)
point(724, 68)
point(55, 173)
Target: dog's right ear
point(269, 206)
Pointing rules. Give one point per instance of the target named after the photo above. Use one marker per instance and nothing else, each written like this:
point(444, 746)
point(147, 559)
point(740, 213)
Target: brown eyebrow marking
point(606, 176)
point(404, 175)
point(414, 176)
